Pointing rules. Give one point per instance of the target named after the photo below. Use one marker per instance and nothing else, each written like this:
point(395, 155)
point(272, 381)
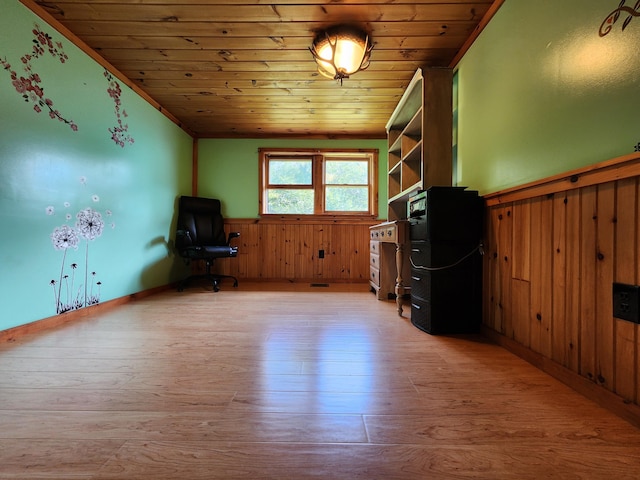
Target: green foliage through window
point(347, 199)
point(284, 201)
point(290, 172)
point(345, 172)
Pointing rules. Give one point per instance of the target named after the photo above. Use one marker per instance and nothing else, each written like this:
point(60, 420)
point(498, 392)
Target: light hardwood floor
point(289, 382)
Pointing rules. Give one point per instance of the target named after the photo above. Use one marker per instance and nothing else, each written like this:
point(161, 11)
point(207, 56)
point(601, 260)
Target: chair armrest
point(232, 235)
point(183, 239)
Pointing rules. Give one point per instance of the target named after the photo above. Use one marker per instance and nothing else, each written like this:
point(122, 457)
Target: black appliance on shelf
point(445, 226)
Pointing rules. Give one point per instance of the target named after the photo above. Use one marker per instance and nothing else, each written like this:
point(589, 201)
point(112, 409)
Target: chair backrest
point(201, 217)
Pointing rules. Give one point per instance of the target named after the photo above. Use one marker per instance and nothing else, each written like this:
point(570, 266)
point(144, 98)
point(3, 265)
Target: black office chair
point(200, 236)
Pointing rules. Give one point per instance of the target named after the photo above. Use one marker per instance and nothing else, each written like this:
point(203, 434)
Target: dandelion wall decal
point(89, 226)
point(89, 223)
point(63, 238)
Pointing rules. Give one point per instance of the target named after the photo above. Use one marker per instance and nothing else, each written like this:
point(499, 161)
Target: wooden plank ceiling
point(242, 68)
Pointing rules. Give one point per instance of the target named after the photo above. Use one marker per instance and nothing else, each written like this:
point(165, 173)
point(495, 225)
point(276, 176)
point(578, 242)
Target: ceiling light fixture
point(341, 51)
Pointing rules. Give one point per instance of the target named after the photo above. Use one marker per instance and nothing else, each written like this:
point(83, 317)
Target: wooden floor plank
point(54, 459)
point(155, 460)
point(70, 399)
point(496, 429)
point(182, 426)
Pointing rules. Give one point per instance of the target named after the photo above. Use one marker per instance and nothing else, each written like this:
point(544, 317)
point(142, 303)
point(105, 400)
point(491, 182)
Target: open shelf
point(394, 161)
point(414, 127)
point(404, 131)
point(402, 197)
point(412, 172)
point(396, 168)
point(394, 140)
point(419, 138)
point(395, 183)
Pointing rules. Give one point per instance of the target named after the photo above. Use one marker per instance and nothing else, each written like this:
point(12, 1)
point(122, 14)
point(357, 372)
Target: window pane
point(346, 172)
point(290, 172)
point(347, 199)
point(290, 201)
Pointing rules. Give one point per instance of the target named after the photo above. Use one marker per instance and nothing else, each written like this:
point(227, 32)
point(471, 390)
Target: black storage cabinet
point(446, 287)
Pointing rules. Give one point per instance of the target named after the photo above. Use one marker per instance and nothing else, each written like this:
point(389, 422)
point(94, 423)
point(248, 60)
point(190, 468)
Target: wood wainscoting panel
point(558, 302)
point(559, 229)
point(535, 284)
point(289, 249)
point(588, 252)
point(625, 267)
point(572, 299)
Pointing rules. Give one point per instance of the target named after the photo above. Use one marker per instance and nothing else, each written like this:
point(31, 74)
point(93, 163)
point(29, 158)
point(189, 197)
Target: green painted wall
point(228, 170)
point(540, 92)
point(49, 173)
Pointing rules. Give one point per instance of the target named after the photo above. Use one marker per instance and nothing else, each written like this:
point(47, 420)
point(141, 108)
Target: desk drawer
point(374, 260)
point(387, 233)
point(374, 275)
point(374, 247)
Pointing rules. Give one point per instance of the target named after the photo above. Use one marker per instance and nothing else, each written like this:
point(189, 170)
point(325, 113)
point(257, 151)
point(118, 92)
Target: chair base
point(214, 279)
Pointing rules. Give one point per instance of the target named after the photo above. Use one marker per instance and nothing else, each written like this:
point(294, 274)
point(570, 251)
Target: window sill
point(310, 219)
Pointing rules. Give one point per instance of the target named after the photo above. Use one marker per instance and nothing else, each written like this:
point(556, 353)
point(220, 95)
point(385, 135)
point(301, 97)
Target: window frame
point(318, 158)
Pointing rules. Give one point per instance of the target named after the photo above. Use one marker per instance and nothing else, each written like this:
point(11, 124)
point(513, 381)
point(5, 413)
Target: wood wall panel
point(550, 265)
point(604, 279)
point(520, 305)
point(559, 276)
point(588, 255)
point(498, 269)
point(288, 250)
point(521, 245)
point(572, 300)
point(626, 228)
point(536, 285)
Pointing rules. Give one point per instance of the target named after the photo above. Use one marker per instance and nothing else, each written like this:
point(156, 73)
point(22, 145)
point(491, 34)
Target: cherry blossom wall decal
point(30, 85)
point(119, 132)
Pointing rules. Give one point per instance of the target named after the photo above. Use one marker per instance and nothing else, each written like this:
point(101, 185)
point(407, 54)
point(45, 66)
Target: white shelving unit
point(419, 156)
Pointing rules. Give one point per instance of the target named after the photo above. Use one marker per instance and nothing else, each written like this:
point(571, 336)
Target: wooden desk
point(387, 264)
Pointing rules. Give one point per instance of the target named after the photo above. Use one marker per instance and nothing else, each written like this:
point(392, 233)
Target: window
point(318, 182)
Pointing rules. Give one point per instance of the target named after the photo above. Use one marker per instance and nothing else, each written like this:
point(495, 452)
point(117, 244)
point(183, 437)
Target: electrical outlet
point(626, 302)
point(320, 253)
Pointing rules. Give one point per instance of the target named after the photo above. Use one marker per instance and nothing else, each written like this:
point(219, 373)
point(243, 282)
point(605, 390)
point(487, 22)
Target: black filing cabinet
point(446, 261)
